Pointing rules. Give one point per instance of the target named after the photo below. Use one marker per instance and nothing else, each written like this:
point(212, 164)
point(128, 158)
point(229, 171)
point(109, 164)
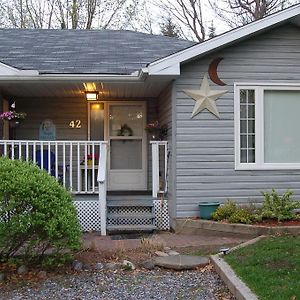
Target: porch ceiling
point(66, 88)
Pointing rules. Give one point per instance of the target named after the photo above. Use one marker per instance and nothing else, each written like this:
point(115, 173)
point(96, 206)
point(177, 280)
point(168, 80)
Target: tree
point(211, 30)
point(187, 14)
point(168, 28)
point(240, 12)
point(64, 14)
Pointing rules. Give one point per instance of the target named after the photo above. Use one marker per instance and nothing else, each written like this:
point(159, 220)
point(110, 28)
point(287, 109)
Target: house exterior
point(230, 104)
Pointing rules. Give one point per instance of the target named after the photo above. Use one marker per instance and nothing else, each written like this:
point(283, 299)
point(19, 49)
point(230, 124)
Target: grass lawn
point(271, 267)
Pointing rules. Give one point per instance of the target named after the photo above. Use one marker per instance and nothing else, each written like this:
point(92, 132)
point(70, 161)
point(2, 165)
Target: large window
point(267, 127)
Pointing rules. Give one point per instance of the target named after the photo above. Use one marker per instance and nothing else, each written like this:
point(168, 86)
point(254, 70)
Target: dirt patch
point(280, 264)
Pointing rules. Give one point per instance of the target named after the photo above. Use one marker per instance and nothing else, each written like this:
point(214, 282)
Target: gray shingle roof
point(82, 51)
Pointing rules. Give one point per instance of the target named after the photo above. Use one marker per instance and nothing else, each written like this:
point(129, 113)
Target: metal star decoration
point(205, 98)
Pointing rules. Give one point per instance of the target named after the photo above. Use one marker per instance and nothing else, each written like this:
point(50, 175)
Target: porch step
point(130, 203)
point(130, 213)
point(130, 228)
point(133, 216)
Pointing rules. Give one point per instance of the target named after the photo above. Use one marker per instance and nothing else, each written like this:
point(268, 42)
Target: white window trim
point(259, 130)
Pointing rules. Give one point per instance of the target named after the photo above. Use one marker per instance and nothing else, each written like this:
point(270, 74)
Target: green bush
point(279, 207)
point(241, 216)
point(36, 213)
point(223, 212)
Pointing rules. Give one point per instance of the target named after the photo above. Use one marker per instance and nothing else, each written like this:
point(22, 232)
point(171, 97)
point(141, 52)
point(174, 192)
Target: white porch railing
point(75, 164)
point(159, 165)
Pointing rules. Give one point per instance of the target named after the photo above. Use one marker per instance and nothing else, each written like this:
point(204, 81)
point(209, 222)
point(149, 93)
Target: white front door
point(127, 162)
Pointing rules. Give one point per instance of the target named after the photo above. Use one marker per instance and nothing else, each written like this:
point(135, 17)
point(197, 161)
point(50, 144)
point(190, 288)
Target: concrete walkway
point(105, 243)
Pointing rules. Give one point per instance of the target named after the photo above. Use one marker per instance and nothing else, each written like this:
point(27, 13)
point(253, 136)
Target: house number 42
point(75, 124)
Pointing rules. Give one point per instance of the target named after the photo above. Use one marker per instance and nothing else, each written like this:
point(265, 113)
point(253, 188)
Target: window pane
point(281, 126)
point(251, 141)
point(251, 126)
point(243, 156)
point(251, 156)
point(243, 126)
point(126, 120)
point(97, 122)
point(251, 96)
point(243, 96)
point(251, 111)
point(243, 113)
point(243, 141)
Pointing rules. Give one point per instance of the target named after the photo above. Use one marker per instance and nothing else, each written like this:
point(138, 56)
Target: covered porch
point(94, 148)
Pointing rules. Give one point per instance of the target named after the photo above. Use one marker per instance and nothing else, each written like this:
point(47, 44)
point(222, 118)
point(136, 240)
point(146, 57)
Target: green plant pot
point(207, 208)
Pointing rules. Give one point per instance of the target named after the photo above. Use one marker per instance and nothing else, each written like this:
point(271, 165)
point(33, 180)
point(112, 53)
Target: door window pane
point(281, 126)
point(126, 154)
point(126, 120)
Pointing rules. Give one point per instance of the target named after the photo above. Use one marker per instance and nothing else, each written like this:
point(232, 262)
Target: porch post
point(155, 169)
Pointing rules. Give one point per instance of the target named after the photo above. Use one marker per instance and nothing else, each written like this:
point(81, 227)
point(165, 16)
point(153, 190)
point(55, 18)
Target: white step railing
point(102, 181)
point(74, 163)
point(159, 167)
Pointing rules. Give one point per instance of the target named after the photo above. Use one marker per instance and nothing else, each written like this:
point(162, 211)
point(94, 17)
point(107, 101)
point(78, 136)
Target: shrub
point(36, 213)
point(279, 207)
point(241, 216)
point(223, 212)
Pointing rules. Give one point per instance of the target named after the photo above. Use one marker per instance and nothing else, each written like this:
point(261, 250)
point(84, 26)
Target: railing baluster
point(12, 150)
point(71, 167)
point(93, 167)
point(42, 155)
point(64, 164)
point(20, 151)
point(56, 160)
point(27, 151)
point(79, 183)
point(5, 149)
point(49, 158)
point(34, 152)
point(85, 167)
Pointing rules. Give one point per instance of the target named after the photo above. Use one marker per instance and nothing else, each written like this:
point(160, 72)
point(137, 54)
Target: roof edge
point(171, 64)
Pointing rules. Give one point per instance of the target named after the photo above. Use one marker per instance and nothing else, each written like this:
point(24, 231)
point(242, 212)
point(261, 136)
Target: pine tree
point(168, 28)
point(211, 30)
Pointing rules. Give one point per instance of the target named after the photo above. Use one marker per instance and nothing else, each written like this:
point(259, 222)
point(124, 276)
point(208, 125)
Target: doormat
point(130, 236)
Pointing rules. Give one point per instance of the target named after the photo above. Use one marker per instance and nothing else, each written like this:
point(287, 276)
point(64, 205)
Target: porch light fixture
point(92, 96)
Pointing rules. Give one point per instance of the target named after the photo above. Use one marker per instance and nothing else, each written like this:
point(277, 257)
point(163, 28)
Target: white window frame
point(259, 89)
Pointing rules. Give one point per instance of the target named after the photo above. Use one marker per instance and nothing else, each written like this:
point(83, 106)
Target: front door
point(127, 161)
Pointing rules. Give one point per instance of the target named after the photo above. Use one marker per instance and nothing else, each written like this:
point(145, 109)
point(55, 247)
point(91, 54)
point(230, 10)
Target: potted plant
point(90, 157)
point(14, 118)
point(157, 131)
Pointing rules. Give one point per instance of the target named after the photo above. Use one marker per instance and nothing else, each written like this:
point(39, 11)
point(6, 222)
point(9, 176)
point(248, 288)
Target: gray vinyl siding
point(165, 109)
point(205, 145)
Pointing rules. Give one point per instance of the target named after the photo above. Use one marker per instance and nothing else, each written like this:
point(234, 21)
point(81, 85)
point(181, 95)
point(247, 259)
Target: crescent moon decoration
point(213, 71)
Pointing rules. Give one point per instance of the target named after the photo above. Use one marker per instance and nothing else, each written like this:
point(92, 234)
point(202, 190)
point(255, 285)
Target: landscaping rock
point(77, 265)
point(22, 270)
point(181, 262)
point(149, 265)
point(161, 254)
point(99, 266)
point(128, 265)
point(172, 253)
point(2, 276)
point(111, 266)
point(42, 274)
point(167, 249)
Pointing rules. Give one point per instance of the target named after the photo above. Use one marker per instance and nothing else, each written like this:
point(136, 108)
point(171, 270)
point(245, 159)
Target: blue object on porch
point(207, 208)
point(46, 164)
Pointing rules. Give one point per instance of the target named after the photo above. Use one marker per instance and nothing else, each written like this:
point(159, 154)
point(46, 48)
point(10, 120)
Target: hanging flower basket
point(14, 118)
point(157, 131)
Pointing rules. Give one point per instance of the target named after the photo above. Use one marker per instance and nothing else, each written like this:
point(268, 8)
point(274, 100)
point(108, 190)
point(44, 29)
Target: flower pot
point(89, 162)
point(207, 208)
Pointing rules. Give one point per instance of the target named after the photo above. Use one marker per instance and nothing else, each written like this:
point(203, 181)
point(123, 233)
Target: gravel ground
point(156, 284)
